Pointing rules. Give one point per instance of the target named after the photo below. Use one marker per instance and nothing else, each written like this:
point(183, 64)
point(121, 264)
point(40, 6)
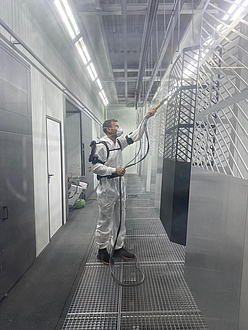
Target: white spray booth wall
point(34, 23)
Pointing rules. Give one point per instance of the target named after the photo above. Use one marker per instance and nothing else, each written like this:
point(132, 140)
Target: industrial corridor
point(123, 164)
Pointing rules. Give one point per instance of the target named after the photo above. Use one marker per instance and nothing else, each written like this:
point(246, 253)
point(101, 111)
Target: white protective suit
point(108, 189)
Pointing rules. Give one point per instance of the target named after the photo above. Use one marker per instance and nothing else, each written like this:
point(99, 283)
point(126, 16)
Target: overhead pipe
point(146, 38)
point(124, 20)
point(167, 38)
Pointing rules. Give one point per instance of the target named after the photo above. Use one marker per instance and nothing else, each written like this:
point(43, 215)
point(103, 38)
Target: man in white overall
point(108, 166)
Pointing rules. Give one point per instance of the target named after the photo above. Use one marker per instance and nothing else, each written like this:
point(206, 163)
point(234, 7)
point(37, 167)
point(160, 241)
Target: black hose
point(111, 260)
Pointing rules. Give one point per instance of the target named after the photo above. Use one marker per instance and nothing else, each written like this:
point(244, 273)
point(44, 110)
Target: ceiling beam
point(137, 70)
point(129, 79)
point(131, 9)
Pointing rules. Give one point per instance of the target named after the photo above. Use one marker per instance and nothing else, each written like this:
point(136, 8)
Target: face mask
point(119, 131)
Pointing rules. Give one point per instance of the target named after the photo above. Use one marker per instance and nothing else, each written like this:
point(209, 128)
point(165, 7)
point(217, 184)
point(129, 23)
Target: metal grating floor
point(163, 301)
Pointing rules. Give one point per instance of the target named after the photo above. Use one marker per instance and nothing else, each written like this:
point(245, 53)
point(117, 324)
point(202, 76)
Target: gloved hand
point(151, 112)
point(120, 171)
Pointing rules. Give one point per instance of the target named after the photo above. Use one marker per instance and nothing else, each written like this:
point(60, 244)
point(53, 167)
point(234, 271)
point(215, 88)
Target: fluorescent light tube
point(71, 17)
point(90, 72)
point(232, 8)
point(105, 102)
point(101, 95)
point(93, 70)
point(85, 51)
point(237, 12)
point(64, 18)
point(225, 17)
point(99, 83)
point(80, 43)
point(81, 53)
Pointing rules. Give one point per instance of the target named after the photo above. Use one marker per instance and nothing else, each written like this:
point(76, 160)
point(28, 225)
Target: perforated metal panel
point(163, 301)
point(221, 130)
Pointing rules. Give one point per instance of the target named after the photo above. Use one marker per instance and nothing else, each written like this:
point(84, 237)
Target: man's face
point(114, 126)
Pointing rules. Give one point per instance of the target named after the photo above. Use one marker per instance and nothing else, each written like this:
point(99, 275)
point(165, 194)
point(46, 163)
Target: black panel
point(17, 229)
point(175, 199)
point(17, 232)
point(166, 208)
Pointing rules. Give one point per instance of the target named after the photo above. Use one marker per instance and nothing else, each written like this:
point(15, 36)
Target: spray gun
point(161, 103)
point(156, 107)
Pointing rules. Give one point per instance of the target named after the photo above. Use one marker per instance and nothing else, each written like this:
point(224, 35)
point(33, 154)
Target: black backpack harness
point(94, 159)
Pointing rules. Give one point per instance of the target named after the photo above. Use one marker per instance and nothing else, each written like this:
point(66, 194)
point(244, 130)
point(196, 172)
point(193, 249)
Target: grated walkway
point(163, 301)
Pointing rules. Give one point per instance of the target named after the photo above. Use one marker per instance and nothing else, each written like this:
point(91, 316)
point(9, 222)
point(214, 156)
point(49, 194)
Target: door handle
point(49, 176)
point(6, 212)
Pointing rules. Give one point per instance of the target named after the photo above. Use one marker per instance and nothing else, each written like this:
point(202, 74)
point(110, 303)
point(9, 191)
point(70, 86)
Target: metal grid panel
point(134, 190)
point(181, 106)
point(140, 212)
point(221, 132)
point(163, 301)
point(164, 289)
point(139, 321)
point(91, 322)
point(93, 293)
point(145, 195)
point(160, 321)
point(145, 227)
point(135, 202)
point(155, 249)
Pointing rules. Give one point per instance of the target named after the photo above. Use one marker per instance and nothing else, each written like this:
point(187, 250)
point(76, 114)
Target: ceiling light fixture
point(73, 30)
point(92, 76)
point(93, 70)
point(99, 83)
point(235, 10)
point(81, 53)
point(67, 17)
point(82, 49)
point(103, 97)
point(102, 94)
point(105, 102)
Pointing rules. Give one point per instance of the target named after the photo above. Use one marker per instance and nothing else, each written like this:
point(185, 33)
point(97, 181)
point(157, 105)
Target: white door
point(54, 175)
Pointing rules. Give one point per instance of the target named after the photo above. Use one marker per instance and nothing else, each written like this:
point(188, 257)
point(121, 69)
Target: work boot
point(103, 256)
point(123, 254)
